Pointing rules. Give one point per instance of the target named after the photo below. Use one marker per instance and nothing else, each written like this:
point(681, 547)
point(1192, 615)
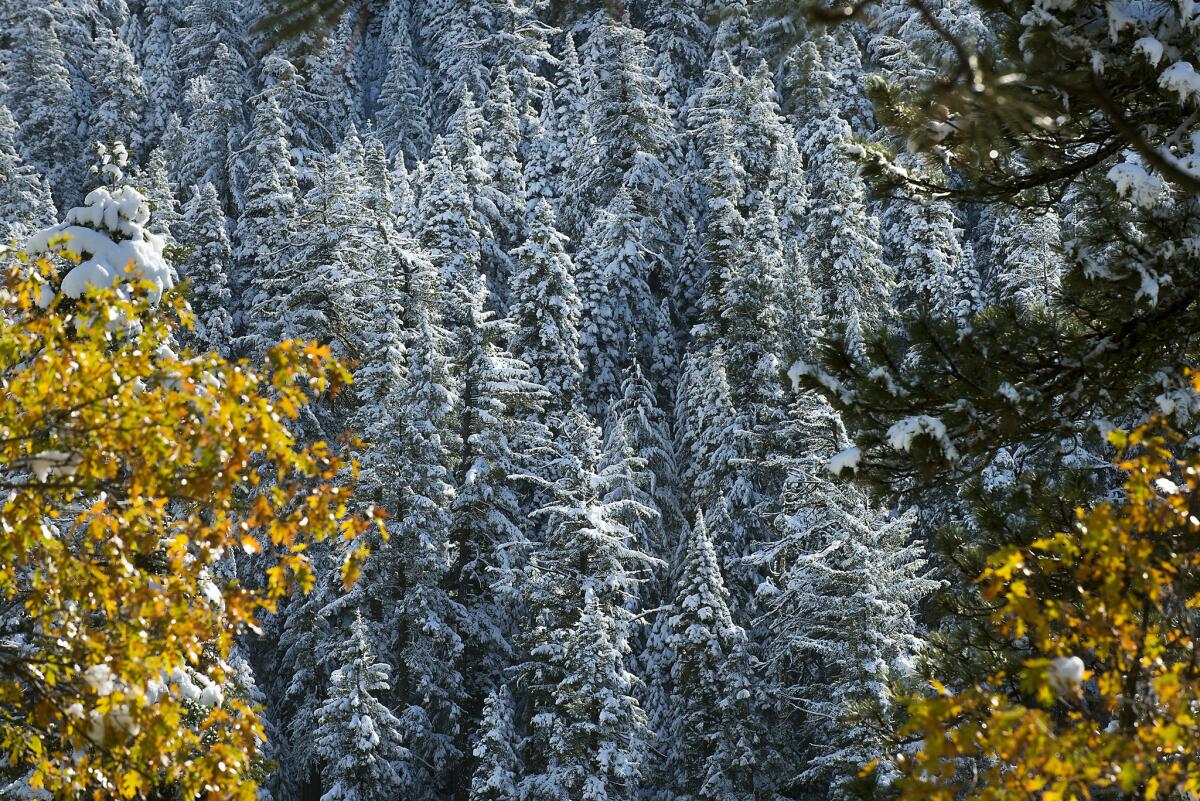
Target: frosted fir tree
point(584, 553)
point(152, 40)
point(106, 241)
point(299, 675)
point(1024, 259)
point(645, 430)
point(845, 614)
point(688, 285)
point(118, 94)
point(596, 726)
point(25, 202)
point(358, 740)
point(216, 126)
point(843, 235)
point(267, 224)
point(283, 84)
point(450, 229)
point(496, 216)
point(153, 180)
point(203, 232)
point(630, 129)
point(402, 119)
point(497, 763)
point(677, 35)
point(715, 742)
point(451, 32)
point(207, 27)
point(721, 471)
point(734, 35)
point(749, 305)
point(521, 47)
point(614, 266)
point(498, 396)
point(932, 273)
point(333, 85)
point(724, 229)
point(429, 682)
point(546, 310)
point(41, 98)
point(501, 140)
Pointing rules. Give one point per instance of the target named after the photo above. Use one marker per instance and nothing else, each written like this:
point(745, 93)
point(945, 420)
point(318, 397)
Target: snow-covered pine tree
point(494, 215)
point(118, 94)
point(644, 428)
point(266, 228)
point(206, 27)
point(153, 180)
point(215, 126)
point(614, 267)
point(578, 585)
point(716, 740)
point(152, 41)
point(1024, 259)
point(734, 36)
point(358, 740)
point(724, 242)
point(498, 398)
point(402, 118)
point(630, 130)
point(497, 762)
point(520, 45)
point(596, 725)
point(844, 612)
point(501, 140)
point(203, 231)
point(39, 94)
point(546, 311)
point(429, 683)
point(25, 202)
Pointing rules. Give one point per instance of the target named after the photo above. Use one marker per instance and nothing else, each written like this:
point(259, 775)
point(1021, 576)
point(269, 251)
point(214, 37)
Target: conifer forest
point(551, 400)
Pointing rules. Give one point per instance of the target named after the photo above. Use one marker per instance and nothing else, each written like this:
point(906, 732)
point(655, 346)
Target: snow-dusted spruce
point(718, 706)
point(358, 738)
point(844, 611)
point(545, 310)
point(204, 232)
point(25, 202)
point(497, 764)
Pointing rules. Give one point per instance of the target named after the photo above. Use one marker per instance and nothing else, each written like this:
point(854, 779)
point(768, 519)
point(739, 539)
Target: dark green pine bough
point(1078, 107)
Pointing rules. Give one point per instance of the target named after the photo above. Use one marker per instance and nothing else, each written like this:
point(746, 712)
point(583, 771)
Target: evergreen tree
point(845, 617)
point(429, 682)
point(402, 118)
point(358, 738)
point(204, 233)
point(614, 269)
point(546, 311)
point(585, 720)
point(497, 765)
point(715, 743)
point(630, 129)
point(215, 126)
point(41, 98)
point(267, 225)
point(25, 204)
point(497, 396)
point(1024, 258)
point(119, 96)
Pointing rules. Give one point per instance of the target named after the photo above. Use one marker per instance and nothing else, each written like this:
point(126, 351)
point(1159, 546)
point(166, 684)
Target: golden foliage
point(127, 472)
point(1120, 594)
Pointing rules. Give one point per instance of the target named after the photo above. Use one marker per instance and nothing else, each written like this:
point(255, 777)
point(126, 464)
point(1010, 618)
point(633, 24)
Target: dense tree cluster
point(627, 295)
